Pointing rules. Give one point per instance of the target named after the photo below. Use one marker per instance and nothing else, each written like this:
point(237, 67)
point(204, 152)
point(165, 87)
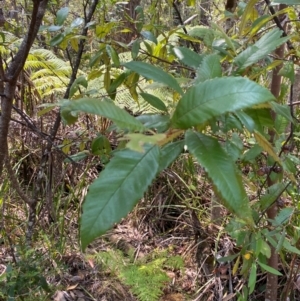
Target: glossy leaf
point(221, 169)
point(209, 68)
point(169, 153)
point(154, 73)
point(215, 97)
point(113, 55)
point(154, 101)
point(62, 15)
point(155, 121)
point(118, 189)
point(188, 57)
point(267, 44)
point(103, 108)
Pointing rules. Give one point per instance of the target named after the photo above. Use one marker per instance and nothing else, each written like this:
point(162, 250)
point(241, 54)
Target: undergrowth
point(146, 277)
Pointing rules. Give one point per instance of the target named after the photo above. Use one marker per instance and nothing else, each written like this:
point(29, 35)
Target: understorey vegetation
point(149, 150)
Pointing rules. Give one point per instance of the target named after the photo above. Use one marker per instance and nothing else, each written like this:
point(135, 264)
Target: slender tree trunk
point(272, 280)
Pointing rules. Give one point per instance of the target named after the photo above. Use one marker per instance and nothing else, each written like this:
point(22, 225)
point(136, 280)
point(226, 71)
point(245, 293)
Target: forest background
point(149, 150)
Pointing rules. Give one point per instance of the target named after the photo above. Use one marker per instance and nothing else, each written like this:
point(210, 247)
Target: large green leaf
point(103, 108)
point(62, 15)
point(114, 194)
point(209, 68)
point(154, 73)
point(215, 97)
point(188, 57)
point(222, 170)
point(267, 43)
point(169, 153)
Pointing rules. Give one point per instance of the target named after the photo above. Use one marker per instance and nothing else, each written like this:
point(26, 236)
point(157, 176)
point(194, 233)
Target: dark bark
point(10, 76)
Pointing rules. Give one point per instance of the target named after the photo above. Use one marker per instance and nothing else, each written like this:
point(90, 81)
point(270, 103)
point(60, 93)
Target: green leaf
point(252, 153)
point(266, 45)
point(154, 73)
point(287, 2)
point(77, 157)
point(261, 119)
point(266, 146)
point(287, 245)
point(79, 81)
point(169, 153)
point(148, 35)
point(103, 108)
point(54, 28)
point(155, 121)
point(269, 269)
point(221, 169)
point(209, 68)
point(154, 101)
point(252, 278)
point(188, 57)
point(77, 22)
point(57, 39)
point(283, 216)
point(61, 15)
point(100, 145)
point(135, 48)
point(283, 110)
point(113, 55)
point(272, 195)
point(215, 97)
point(114, 194)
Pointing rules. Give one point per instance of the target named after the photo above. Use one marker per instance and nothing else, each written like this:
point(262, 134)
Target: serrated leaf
point(283, 216)
point(103, 108)
point(270, 197)
point(209, 68)
point(188, 57)
point(283, 110)
point(287, 245)
point(62, 15)
point(114, 194)
point(266, 45)
point(261, 118)
point(169, 153)
point(266, 146)
point(154, 101)
point(215, 97)
point(269, 269)
point(221, 169)
point(154, 73)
